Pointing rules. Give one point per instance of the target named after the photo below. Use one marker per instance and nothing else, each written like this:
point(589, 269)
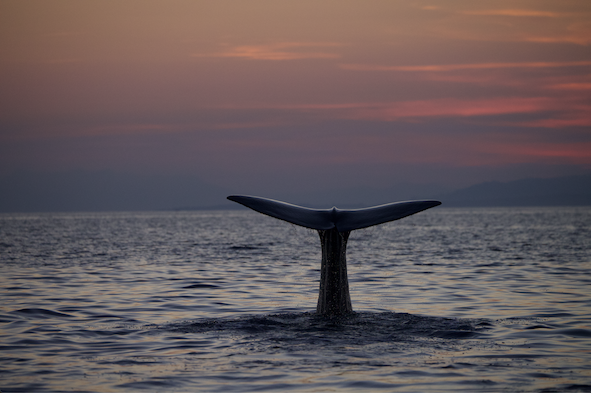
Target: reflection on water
point(448, 300)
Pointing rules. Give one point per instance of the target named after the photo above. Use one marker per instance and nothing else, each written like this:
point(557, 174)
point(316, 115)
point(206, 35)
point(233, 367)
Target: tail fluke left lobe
point(303, 216)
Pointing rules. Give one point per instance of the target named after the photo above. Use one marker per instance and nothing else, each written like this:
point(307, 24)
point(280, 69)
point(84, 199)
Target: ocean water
point(487, 300)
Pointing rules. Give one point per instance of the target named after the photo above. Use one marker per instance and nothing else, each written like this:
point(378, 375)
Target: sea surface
point(448, 300)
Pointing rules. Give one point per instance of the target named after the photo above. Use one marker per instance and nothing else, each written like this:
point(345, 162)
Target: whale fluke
point(342, 219)
point(333, 226)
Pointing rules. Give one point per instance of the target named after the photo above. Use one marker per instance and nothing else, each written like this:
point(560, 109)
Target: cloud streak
point(453, 107)
point(277, 51)
point(461, 67)
point(558, 112)
point(516, 13)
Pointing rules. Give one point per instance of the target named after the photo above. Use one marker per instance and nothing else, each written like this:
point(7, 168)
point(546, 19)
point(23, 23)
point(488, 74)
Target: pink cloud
point(561, 112)
point(448, 107)
point(453, 107)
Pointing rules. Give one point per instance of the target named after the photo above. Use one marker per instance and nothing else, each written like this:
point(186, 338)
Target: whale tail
point(344, 220)
point(333, 226)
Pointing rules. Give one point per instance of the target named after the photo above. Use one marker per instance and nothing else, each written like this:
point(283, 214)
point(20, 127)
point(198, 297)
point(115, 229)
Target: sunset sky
point(258, 96)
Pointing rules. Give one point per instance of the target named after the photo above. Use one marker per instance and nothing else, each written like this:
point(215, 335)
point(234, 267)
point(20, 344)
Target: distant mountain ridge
point(559, 191)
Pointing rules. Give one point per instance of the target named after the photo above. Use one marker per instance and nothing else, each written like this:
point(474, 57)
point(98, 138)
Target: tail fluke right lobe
point(348, 220)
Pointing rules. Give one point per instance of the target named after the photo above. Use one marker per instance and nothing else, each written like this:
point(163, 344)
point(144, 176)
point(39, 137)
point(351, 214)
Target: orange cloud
point(277, 51)
point(515, 12)
point(458, 67)
point(571, 39)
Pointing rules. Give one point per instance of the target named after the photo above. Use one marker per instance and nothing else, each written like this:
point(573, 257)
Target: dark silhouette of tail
point(324, 219)
point(333, 226)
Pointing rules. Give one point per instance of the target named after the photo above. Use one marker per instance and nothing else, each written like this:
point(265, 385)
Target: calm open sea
point(488, 300)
